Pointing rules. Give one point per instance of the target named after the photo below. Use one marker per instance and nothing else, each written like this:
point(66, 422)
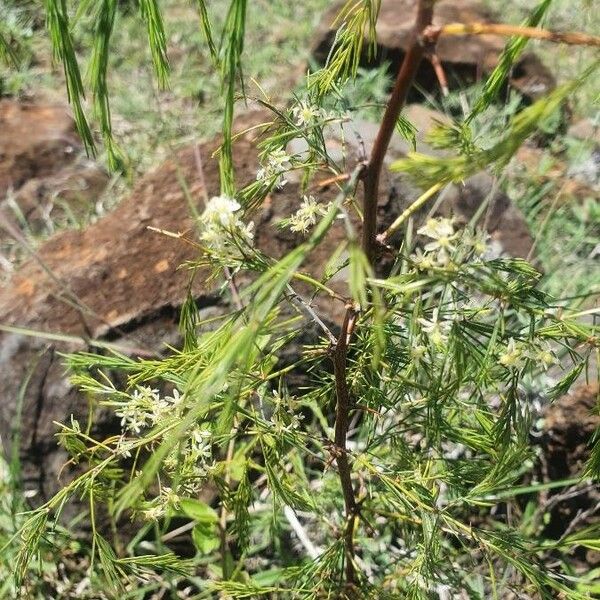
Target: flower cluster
point(516, 354)
point(306, 216)
point(190, 462)
point(222, 216)
point(143, 409)
point(306, 113)
point(445, 241)
point(275, 165)
point(159, 506)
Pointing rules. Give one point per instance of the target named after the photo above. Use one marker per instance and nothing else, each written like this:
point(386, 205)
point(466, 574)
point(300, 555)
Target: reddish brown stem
point(404, 81)
point(342, 423)
point(436, 63)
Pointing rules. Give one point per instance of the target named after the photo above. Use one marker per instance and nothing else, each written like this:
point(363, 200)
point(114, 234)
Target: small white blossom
point(436, 329)
point(220, 222)
point(441, 231)
point(141, 410)
point(169, 498)
point(513, 356)
point(175, 398)
point(439, 228)
point(199, 444)
point(305, 113)
point(153, 512)
point(478, 241)
point(124, 447)
point(306, 216)
point(417, 353)
point(541, 353)
point(422, 261)
point(275, 165)
point(220, 210)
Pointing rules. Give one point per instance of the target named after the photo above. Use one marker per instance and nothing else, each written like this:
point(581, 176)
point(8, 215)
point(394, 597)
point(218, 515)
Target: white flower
point(478, 241)
point(306, 216)
point(437, 228)
point(513, 356)
point(441, 231)
point(175, 398)
point(142, 410)
point(542, 354)
point(199, 444)
point(417, 353)
point(124, 447)
point(306, 113)
point(153, 512)
point(275, 165)
point(220, 223)
point(422, 261)
point(279, 159)
point(436, 329)
point(220, 210)
point(169, 498)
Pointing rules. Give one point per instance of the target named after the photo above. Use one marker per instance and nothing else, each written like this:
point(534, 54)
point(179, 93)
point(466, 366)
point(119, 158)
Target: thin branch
point(305, 305)
point(312, 551)
point(438, 68)
point(576, 38)
point(418, 203)
point(580, 517)
point(404, 81)
point(342, 423)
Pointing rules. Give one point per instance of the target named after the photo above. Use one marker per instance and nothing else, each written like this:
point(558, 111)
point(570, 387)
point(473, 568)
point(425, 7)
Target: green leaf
point(198, 510)
point(205, 537)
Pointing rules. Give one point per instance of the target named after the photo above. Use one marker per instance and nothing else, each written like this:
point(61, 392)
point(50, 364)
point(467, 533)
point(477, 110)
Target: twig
point(342, 423)
point(330, 180)
point(310, 548)
point(404, 81)
point(418, 203)
point(576, 38)
point(436, 63)
point(579, 518)
point(304, 304)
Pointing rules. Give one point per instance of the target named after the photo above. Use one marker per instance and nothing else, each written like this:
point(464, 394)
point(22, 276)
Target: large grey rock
point(117, 280)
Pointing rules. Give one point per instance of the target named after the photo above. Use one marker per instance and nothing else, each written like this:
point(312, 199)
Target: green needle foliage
point(384, 456)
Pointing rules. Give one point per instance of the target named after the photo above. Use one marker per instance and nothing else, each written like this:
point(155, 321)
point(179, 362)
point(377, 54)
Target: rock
point(118, 280)
point(464, 58)
point(587, 130)
point(42, 167)
point(579, 181)
point(37, 140)
point(569, 424)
